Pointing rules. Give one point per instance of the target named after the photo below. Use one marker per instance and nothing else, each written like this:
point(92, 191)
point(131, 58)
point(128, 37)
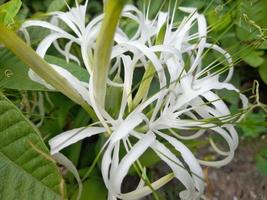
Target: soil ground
point(239, 180)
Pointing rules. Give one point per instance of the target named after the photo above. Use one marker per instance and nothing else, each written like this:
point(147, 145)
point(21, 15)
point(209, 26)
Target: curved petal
point(189, 158)
point(67, 138)
point(178, 169)
point(136, 151)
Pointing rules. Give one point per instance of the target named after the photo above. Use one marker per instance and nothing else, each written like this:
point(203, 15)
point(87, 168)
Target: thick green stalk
point(27, 55)
point(104, 44)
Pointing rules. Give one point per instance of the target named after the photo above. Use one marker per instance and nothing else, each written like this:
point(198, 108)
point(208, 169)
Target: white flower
point(186, 97)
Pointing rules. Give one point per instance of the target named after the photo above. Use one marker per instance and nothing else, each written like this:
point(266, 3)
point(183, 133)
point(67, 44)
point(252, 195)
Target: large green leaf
point(255, 11)
point(8, 11)
point(254, 58)
point(15, 73)
point(26, 169)
point(57, 115)
point(73, 68)
point(93, 189)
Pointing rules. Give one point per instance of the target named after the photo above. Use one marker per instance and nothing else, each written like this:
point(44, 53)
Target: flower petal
point(136, 151)
point(67, 138)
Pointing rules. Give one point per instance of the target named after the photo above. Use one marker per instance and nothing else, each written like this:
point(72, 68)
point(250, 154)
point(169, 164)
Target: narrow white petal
point(47, 25)
point(178, 169)
point(62, 52)
point(74, 82)
point(106, 165)
point(137, 150)
point(126, 127)
point(63, 160)
point(33, 76)
point(189, 158)
point(67, 138)
point(67, 50)
point(67, 20)
point(230, 153)
point(162, 18)
point(46, 43)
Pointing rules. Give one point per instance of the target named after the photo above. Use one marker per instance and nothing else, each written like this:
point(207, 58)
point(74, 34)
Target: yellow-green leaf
point(8, 11)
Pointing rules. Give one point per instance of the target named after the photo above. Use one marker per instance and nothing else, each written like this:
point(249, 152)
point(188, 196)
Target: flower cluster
point(184, 105)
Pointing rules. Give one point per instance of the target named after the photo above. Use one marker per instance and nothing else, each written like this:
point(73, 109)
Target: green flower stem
point(145, 85)
point(149, 73)
point(104, 44)
point(28, 56)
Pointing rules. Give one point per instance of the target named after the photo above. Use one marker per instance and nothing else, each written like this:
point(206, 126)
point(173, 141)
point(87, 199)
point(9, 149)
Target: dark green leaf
point(15, 73)
point(261, 161)
point(26, 169)
point(263, 71)
point(57, 116)
point(254, 125)
point(73, 68)
point(254, 58)
point(93, 189)
point(57, 5)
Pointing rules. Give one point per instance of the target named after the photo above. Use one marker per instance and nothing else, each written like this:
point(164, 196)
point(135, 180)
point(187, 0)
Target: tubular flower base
point(185, 100)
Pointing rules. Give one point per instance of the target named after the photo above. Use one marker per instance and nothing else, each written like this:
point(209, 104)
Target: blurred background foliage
point(239, 26)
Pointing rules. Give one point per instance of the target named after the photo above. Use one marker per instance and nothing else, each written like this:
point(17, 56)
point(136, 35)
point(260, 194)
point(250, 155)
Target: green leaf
point(57, 5)
point(15, 73)
point(255, 11)
point(219, 20)
point(26, 169)
point(252, 20)
point(149, 158)
point(254, 125)
point(73, 68)
point(8, 11)
point(254, 58)
point(232, 97)
point(263, 45)
point(262, 165)
point(263, 71)
point(93, 189)
point(261, 161)
point(57, 116)
point(247, 32)
point(193, 3)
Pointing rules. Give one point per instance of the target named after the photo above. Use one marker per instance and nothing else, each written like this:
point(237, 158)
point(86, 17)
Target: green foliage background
point(234, 24)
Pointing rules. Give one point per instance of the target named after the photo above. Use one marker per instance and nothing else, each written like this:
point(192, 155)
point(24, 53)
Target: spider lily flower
point(74, 19)
point(185, 100)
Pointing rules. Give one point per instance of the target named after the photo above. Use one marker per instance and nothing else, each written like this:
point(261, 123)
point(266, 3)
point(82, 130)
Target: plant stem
point(29, 57)
point(149, 74)
point(104, 44)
